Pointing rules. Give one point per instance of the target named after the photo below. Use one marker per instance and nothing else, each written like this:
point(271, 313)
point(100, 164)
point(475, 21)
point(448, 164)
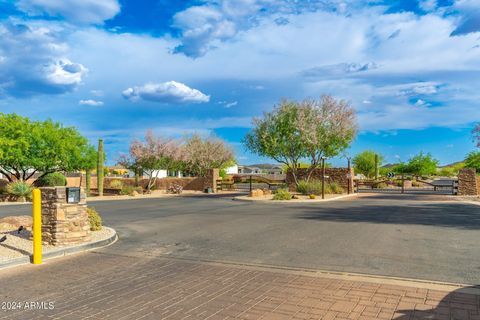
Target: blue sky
point(117, 68)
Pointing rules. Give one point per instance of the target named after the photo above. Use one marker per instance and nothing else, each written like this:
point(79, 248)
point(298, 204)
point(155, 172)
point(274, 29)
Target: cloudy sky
point(114, 69)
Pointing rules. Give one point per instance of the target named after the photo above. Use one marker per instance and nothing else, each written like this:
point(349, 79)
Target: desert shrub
point(94, 219)
point(312, 196)
point(311, 187)
point(128, 190)
point(175, 188)
point(415, 183)
point(315, 187)
point(54, 179)
point(381, 185)
point(398, 183)
point(333, 188)
point(116, 184)
point(282, 194)
point(20, 189)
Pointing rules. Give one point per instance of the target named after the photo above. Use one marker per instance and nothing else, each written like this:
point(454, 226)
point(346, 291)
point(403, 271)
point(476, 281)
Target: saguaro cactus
point(376, 166)
point(88, 179)
point(100, 160)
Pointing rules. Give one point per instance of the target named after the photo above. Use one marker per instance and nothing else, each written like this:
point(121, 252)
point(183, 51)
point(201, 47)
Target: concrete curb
point(61, 252)
point(293, 201)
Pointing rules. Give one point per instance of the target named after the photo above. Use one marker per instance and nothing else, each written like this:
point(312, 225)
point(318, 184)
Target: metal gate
point(404, 185)
point(247, 183)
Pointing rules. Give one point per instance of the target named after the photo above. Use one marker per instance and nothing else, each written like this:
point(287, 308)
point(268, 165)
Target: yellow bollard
point(37, 226)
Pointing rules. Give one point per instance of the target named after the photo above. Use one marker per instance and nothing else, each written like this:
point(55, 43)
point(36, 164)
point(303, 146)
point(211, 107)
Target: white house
point(232, 170)
point(159, 173)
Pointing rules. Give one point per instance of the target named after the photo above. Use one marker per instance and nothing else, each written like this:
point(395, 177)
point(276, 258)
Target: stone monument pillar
point(64, 216)
point(211, 179)
point(467, 182)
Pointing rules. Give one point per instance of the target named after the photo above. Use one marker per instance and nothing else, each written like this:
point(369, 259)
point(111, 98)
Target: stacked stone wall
point(468, 182)
point(63, 223)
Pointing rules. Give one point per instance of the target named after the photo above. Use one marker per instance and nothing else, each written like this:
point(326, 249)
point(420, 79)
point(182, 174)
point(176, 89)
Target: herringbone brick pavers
point(163, 288)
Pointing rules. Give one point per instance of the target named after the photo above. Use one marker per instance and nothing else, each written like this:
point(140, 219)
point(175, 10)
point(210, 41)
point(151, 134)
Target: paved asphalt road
point(406, 236)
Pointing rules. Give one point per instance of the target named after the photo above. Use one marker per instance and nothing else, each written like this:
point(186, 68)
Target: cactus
point(88, 179)
point(100, 172)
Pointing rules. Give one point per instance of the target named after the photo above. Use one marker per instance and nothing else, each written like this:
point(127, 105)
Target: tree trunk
point(137, 177)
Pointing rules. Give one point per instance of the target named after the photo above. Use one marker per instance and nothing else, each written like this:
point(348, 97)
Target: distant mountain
point(451, 164)
point(389, 165)
point(264, 166)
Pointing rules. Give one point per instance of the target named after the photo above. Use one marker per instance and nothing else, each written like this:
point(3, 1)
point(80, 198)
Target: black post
point(250, 183)
point(323, 178)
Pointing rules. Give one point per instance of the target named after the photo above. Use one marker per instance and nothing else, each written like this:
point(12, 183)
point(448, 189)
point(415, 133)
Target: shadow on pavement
point(456, 305)
point(462, 216)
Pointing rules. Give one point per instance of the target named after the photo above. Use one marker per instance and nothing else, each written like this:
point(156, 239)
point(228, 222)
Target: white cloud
point(78, 11)
point(91, 102)
point(34, 60)
point(231, 104)
point(469, 20)
point(340, 69)
point(166, 92)
point(420, 103)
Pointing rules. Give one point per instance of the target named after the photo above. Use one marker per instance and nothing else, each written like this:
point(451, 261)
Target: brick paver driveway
point(155, 269)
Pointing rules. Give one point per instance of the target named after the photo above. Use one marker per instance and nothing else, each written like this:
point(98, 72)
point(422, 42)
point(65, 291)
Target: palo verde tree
point(100, 165)
point(153, 154)
point(29, 147)
point(473, 160)
point(311, 129)
point(201, 154)
point(365, 163)
point(88, 162)
point(420, 165)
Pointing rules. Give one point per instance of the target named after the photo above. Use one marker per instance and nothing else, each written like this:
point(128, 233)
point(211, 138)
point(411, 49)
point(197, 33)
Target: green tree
point(100, 171)
point(419, 165)
point(28, 147)
point(364, 163)
point(295, 131)
point(473, 160)
point(88, 162)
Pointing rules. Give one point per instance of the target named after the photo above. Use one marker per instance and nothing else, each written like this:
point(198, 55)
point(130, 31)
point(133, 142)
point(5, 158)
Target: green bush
point(20, 189)
point(333, 188)
point(55, 179)
point(116, 184)
point(129, 190)
point(381, 185)
point(415, 183)
point(282, 194)
point(94, 219)
point(311, 187)
point(312, 196)
point(315, 187)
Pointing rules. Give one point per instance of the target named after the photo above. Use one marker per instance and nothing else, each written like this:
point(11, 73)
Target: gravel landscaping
point(18, 244)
